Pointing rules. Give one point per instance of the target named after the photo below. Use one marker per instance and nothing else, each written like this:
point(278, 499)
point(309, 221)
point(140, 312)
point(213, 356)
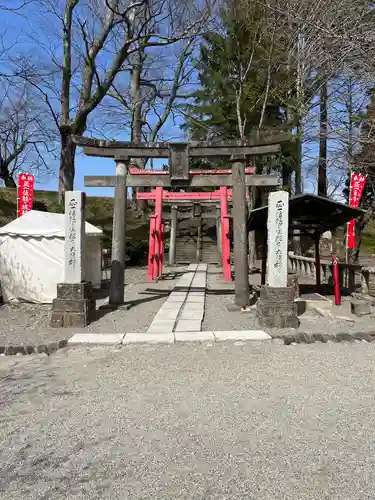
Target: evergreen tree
point(243, 86)
point(233, 71)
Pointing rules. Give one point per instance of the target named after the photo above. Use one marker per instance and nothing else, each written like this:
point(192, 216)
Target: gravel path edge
point(49, 348)
point(288, 339)
point(310, 338)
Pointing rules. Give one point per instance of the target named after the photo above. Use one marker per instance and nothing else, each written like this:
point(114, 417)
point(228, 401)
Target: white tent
point(32, 256)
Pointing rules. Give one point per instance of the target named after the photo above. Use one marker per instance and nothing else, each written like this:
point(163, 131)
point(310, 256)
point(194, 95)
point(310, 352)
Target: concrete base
point(149, 338)
point(185, 336)
point(360, 307)
point(312, 303)
point(276, 308)
point(74, 306)
point(167, 337)
point(96, 338)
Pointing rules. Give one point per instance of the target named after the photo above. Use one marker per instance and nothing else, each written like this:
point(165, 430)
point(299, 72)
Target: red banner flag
point(357, 184)
point(25, 193)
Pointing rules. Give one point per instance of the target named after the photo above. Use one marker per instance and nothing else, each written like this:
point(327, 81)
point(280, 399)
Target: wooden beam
point(195, 182)
point(160, 152)
point(188, 216)
point(126, 145)
point(207, 171)
point(191, 202)
point(205, 196)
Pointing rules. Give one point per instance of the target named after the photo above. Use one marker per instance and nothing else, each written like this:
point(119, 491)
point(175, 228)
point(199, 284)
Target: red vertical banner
point(151, 249)
point(158, 224)
point(25, 193)
point(357, 184)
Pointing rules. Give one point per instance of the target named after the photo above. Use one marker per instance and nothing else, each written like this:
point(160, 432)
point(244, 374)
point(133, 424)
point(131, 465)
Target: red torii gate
point(157, 226)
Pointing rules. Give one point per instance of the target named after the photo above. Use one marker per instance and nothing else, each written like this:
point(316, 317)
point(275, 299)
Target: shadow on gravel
point(172, 275)
point(127, 306)
point(215, 291)
point(324, 289)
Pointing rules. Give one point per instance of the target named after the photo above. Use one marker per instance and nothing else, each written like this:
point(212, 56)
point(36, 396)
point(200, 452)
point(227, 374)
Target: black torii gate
point(179, 176)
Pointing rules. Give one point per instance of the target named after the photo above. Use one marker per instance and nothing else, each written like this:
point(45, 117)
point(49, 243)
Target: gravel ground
point(217, 316)
point(230, 421)
point(27, 324)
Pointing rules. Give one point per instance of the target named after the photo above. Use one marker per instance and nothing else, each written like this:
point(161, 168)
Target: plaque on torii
point(179, 163)
point(179, 174)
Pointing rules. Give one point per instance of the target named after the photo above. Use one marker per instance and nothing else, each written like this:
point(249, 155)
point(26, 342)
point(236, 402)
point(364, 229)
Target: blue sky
point(16, 27)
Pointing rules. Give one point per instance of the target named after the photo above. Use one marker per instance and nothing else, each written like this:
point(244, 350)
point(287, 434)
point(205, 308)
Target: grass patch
point(368, 243)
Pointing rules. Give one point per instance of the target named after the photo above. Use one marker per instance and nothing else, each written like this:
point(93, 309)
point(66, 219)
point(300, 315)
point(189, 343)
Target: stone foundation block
point(282, 295)
point(74, 291)
point(360, 307)
point(278, 321)
point(69, 320)
point(276, 308)
point(74, 306)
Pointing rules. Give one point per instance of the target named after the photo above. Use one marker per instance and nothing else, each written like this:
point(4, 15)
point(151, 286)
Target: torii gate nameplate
point(179, 162)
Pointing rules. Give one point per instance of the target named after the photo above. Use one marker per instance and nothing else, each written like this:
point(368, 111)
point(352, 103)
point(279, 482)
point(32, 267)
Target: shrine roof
point(309, 212)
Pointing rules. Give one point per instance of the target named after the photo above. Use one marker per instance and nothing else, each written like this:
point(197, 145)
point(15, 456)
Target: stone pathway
point(168, 337)
point(183, 311)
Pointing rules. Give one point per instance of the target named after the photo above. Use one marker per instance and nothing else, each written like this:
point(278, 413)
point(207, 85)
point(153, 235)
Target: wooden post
point(317, 259)
point(116, 294)
point(240, 234)
point(199, 240)
point(173, 237)
point(162, 247)
point(218, 234)
point(264, 257)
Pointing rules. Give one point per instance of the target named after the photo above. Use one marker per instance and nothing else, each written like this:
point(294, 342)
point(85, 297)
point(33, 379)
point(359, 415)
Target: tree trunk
point(67, 165)
point(322, 169)
point(6, 176)
point(298, 165)
point(136, 125)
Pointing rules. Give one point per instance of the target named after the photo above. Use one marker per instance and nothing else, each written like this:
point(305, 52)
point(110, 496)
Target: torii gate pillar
point(116, 294)
point(173, 237)
point(240, 239)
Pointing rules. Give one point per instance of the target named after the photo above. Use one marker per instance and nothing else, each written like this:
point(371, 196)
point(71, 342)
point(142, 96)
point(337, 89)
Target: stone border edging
point(294, 338)
point(122, 339)
point(50, 348)
point(311, 338)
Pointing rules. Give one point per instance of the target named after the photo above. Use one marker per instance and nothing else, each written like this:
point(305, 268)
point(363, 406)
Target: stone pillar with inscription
point(74, 305)
point(276, 306)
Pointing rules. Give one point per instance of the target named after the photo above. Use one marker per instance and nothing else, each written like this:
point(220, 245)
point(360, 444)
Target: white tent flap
point(32, 263)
